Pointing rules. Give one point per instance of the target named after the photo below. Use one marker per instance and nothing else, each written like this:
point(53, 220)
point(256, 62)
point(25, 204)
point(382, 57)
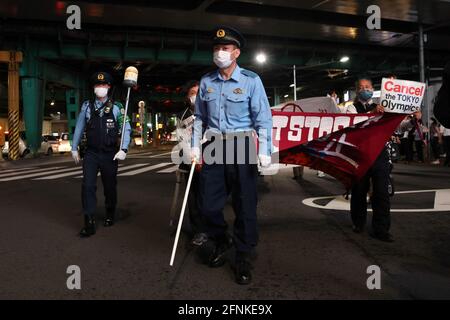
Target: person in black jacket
point(184, 134)
point(442, 104)
point(378, 174)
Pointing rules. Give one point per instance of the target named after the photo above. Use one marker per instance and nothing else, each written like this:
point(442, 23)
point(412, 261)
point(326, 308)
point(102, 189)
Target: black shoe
point(385, 237)
point(358, 229)
point(242, 272)
point(109, 218)
point(89, 227)
point(219, 255)
point(199, 239)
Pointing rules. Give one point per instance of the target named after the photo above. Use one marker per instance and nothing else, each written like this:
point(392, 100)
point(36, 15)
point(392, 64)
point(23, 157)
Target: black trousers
point(217, 182)
point(435, 148)
point(195, 217)
point(410, 148)
point(447, 149)
point(93, 163)
point(381, 205)
point(419, 149)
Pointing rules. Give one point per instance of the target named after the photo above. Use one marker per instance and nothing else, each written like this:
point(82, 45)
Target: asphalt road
point(306, 251)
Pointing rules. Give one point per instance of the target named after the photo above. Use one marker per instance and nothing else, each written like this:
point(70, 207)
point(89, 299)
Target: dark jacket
point(442, 104)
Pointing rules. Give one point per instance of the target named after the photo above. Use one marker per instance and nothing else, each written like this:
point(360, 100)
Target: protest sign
point(401, 96)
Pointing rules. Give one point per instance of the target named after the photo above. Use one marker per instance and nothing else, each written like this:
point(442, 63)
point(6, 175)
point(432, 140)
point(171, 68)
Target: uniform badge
point(238, 91)
point(100, 76)
point(210, 90)
point(122, 111)
point(107, 109)
point(110, 124)
point(220, 33)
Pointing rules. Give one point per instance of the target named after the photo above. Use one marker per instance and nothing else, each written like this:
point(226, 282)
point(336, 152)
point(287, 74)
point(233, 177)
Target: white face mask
point(101, 92)
point(192, 100)
point(222, 59)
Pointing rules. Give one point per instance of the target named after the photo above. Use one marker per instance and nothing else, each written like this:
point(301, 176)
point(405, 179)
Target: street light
point(344, 59)
point(261, 58)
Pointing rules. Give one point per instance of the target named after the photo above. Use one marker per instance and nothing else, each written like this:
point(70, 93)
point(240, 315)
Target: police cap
point(228, 35)
point(101, 78)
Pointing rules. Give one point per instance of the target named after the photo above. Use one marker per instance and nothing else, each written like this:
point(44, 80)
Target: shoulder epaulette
point(249, 73)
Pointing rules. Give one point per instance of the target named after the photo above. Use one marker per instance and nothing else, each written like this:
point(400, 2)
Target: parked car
point(50, 144)
point(47, 147)
point(23, 150)
point(64, 143)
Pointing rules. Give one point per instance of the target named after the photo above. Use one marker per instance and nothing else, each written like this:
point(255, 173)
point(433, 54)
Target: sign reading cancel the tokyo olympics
point(401, 96)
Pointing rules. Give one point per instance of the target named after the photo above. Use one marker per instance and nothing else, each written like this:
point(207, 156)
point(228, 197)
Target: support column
point(72, 109)
point(423, 79)
point(33, 111)
point(13, 105)
point(276, 97)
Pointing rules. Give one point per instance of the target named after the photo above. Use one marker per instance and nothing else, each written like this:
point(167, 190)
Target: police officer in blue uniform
point(231, 106)
point(102, 119)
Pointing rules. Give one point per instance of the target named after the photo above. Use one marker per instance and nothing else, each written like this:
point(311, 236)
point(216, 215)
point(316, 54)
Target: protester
point(436, 140)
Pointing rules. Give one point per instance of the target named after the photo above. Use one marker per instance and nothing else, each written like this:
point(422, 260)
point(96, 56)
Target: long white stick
point(180, 221)
point(125, 118)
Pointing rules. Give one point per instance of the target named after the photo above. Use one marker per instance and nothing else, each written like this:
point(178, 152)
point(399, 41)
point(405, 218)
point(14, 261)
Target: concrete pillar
point(33, 111)
point(72, 107)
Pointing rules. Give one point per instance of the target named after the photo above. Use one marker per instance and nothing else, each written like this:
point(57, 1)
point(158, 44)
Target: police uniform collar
point(236, 75)
point(100, 103)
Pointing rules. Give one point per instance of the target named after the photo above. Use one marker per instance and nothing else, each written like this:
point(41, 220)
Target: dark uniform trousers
point(93, 163)
point(217, 182)
point(379, 173)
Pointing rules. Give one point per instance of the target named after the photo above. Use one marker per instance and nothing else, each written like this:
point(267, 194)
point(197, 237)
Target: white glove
point(76, 157)
point(121, 155)
point(195, 154)
point(264, 160)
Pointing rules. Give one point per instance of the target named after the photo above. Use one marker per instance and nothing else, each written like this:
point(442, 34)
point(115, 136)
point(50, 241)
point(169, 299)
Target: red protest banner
point(342, 145)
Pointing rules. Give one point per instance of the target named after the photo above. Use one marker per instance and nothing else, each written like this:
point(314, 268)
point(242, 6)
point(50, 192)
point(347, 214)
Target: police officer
point(378, 173)
point(231, 105)
point(102, 118)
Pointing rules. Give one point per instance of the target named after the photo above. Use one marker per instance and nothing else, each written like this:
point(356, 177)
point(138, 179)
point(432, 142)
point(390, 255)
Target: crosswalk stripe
point(16, 170)
point(122, 169)
point(169, 170)
point(142, 153)
point(2, 172)
point(22, 172)
point(141, 156)
point(28, 175)
point(153, 167)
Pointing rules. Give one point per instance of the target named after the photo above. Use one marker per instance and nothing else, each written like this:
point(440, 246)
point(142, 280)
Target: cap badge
point(220, 33)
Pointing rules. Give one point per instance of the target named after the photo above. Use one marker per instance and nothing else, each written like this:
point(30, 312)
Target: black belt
point(237, 134)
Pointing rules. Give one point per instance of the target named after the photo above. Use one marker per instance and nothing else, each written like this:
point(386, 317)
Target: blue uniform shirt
point(237, 104)
point(85, 115)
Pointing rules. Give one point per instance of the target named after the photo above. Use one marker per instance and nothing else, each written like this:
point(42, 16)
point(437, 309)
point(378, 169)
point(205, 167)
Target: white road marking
point(121, 169)
point(24, 172)
point(441, 202)
point(138, 171)
point(159, 155)
point(15, 170)
point(42, 173)
point(169, 170)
